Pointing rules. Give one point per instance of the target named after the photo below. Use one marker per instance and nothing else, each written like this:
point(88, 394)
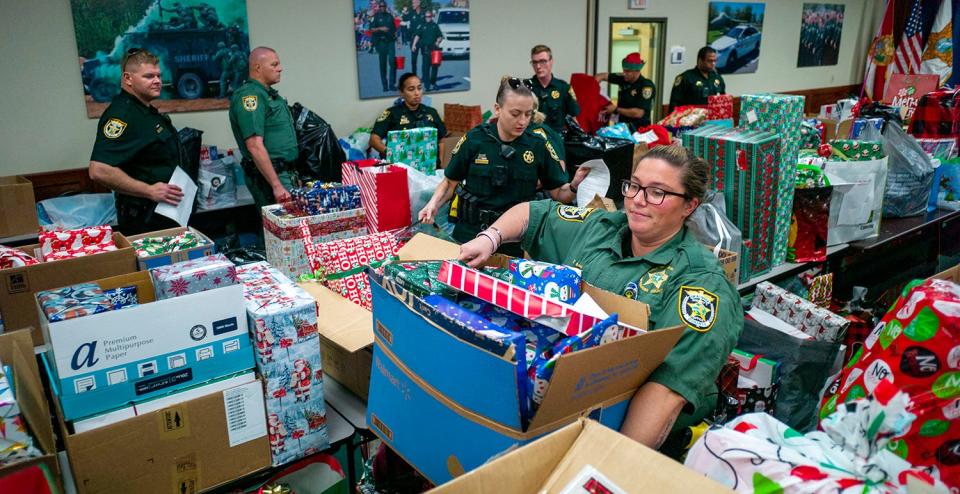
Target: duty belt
point(279, 165)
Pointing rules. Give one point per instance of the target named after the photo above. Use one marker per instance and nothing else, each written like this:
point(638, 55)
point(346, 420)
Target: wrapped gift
point(854, 150)
point(686, 116)
point(914, 347)
point(283, 234)
point(418, 278)
point(616, 131)
point(73, 301)
point(151, 246)
point(325, 197)
point(938, 115)
point(16, 443)
point(384, 193)
point(802, 314)
point(14, 258)
point(343, 263)
point(811, 215)
point(779, 114)
point(416, 148)
point(758, 453)
point(811, 133)
point(122, 297)
point(552, 281)
point(720, 106)
point(758, 382)
point(282, 318)
point(860, 124)
point(66, 244)
point(195, 276)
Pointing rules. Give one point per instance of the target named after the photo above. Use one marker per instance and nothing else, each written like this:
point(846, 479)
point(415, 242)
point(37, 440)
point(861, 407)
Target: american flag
point(906, 59)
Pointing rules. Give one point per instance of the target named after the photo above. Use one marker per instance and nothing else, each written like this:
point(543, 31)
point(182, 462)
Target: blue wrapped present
point(552, 281)
point(73, 301)
point(123, 297)
point(326, 197)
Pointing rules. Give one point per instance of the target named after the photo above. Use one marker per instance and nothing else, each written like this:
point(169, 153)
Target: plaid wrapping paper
point(938, 115)
point(779, 114)
point(416, 148)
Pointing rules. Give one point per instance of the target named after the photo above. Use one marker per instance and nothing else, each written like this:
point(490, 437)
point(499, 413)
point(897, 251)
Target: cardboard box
point(19, 207)
point(731, 266)
point(449, 143)
point(204, 250)
point(447, 406)
point(552, 463)
point(18, 285)
point(16, 350)
point(185, 448)
point(106, 361)
point(351, 369)
point(952, 274)
point(283, 239)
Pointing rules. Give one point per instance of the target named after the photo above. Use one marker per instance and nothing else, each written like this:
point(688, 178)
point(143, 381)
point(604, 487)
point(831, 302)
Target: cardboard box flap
point(585, 378)
point(952, 274)
point(16, 350)
point(340, 320)
point(423, 247)
point(626, 463)
point(636, 314)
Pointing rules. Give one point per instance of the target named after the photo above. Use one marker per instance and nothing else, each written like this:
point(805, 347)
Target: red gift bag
point(384, 193)
point(436, 57)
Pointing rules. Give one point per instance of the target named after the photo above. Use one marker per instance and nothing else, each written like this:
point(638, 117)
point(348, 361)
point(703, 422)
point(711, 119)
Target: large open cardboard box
point(18, 285)
point(554, 462)
point(16, 350)
point(19, 207)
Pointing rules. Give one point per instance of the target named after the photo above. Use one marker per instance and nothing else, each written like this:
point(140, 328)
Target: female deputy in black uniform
point(499, 164)
point(408, 114)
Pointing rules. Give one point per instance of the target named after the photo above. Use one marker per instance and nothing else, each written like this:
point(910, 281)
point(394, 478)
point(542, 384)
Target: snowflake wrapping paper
point(194, 276)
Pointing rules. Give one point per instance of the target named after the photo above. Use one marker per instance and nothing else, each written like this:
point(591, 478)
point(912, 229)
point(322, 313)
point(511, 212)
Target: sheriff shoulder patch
point(678, 80)
point(540, 132)
point(383, 116)
point(553, 152)
point(250, 102)
point(647, 92)
point(697, 308)
point(571, 93)
point(459, 143)
point(573, 213)
point(114, 128)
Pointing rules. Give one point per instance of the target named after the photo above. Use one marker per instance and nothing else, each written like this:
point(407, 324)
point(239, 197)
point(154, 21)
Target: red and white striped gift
point(384, 193)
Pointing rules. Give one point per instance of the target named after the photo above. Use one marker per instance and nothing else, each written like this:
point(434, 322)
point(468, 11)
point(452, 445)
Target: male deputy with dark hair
point(693, 86)
point(556, 97)
point(384, 31)
point(263, 128)
point(137, 148)
point(637, 93)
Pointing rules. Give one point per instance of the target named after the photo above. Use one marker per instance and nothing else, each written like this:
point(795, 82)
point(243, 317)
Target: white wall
point(44, 124)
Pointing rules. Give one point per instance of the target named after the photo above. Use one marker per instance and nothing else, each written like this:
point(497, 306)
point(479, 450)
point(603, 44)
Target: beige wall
point(44, 125)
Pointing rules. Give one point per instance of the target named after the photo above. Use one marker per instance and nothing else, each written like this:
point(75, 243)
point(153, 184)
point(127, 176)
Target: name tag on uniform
point(481, 159)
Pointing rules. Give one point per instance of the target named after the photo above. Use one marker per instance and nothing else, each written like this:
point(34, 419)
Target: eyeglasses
point(539, 62)
point(653, 195)
point(516, 82)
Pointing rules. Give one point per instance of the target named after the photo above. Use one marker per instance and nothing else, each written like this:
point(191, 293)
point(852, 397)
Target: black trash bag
point(190, 141)
point(886, 112)
point(320, 154)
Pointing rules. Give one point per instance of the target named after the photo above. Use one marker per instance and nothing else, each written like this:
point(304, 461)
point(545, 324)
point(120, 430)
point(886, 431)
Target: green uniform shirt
point(501, 183)
point(400, 117)
point(551, 135)
point(256, 110)
point(383, 19)
point(692, 88)
point(137, 139)
point(557, 100)
point(415, 19)
point(681, 282)
point(638, 94)
point(430, 34)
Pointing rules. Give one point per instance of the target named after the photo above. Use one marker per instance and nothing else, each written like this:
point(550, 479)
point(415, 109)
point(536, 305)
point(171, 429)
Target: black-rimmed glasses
point(653, 195)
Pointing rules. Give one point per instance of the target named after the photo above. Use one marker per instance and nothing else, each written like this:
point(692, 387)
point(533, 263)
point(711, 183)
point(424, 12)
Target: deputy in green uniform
point(637, 93)
point(499, 164)
point(693, 86)
point(647, 254)
point(385, 42)
point(556, 97)
point(137, 148)
point(426, 39)
point(411, 113)
point(223, 57)
point(413, 19)
point(539, 127)
point(263, 128)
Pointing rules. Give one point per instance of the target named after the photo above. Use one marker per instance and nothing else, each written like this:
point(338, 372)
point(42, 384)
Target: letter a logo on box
point(89, 360)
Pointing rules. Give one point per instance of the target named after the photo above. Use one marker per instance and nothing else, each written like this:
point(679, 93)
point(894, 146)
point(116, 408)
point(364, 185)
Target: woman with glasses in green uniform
point(496, 165)
point(645, 253)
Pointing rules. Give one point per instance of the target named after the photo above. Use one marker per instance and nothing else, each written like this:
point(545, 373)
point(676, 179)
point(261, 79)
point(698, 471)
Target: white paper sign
point(596, 183)
point(857, 204)
point(751, 116)
point(246, 417)
point(181, 212)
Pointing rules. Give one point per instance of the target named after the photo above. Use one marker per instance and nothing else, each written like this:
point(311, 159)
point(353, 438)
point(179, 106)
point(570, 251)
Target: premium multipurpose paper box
point(16, 350)
point(185, 448)
point(448, 406)
point(582, 457)
point(283, 235)
point(20, 284)
point(207, 248)
point(105, 361)
point(18, 205)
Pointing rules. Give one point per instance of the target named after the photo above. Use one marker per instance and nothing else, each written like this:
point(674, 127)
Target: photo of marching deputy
point(694, 85)
point(137, 148)
point(555, 96)
point(410, 113)
point(637, 93)
point(496, 165)
point(644, 253)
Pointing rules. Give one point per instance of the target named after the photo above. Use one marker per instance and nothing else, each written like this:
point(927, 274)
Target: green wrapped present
point(151, 246)
point(416, 148)
point(779, 114)
point(420, 277)
point(854, 150)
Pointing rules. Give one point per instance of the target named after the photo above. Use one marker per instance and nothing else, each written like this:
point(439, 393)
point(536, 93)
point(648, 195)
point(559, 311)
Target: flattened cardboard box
point(182, 448)
point(554, 464)
point(19, 207)
point(16, 350)
point(208, 248)
point(18, 285)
